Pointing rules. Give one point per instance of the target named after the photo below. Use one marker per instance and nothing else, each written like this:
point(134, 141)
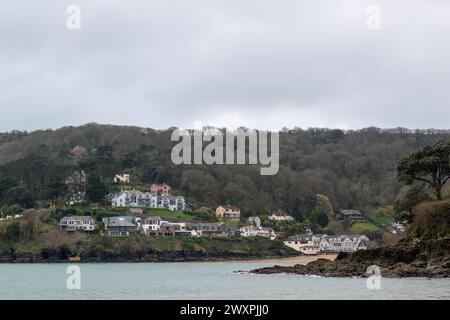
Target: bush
point(15, 209)
point(322, 219)
point(12, 232)
point(404, 207)
point(432, 219)
point(440, 221)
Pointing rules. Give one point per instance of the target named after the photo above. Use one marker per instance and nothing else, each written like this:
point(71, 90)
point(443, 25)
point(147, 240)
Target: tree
point(5, 185)
point(55, 190)
point(335, 227)
point(322, 219)
point(439, 221)
point(403, 207)
point(12, 232)
point(15, 209)
point(96, 190)
point(323, 204)
point(430, 165)
point(354, 168)
point(20, 195)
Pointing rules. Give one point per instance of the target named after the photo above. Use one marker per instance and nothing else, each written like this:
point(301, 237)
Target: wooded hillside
point(354, 169)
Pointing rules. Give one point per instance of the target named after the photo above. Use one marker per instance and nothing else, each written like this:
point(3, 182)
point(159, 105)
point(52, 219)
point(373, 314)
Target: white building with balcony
point(138, 199)
point(73, 223)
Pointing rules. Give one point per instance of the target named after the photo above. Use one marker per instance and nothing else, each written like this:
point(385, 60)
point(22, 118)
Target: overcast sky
point(261, 64)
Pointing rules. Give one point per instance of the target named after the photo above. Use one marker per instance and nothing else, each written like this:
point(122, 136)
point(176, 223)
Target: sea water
point(198, 280)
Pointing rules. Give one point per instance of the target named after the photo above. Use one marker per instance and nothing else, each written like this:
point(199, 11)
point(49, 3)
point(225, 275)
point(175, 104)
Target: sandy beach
point(289, 260)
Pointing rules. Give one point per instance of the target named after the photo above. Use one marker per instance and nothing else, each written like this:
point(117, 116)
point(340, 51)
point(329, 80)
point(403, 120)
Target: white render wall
point(137, 199)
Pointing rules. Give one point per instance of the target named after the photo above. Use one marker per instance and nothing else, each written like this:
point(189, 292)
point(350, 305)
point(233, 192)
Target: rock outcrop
point(421, 259)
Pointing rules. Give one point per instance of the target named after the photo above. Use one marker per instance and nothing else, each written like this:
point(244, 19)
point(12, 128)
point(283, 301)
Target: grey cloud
point(264, 64)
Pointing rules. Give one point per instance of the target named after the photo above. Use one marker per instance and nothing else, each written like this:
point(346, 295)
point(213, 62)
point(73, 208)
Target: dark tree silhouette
point(430, 165)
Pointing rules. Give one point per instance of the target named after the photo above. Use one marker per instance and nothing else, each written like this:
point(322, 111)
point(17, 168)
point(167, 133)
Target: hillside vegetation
point(353, 169)
point(37, 238)
point(424, 252)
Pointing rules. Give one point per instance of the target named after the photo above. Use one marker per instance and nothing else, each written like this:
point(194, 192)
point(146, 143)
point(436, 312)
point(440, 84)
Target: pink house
point(161, 189)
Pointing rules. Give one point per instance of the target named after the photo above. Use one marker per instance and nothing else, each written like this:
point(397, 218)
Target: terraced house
point(343, 243)
point(252, 231)
point(139, 199)
point(322, 243)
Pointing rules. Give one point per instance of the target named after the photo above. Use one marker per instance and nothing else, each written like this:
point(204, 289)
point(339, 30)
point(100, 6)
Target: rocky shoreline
point(422, 259)
point(126, 257)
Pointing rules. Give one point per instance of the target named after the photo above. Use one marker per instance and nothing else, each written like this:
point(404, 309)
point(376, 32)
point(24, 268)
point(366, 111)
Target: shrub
point(432, 219)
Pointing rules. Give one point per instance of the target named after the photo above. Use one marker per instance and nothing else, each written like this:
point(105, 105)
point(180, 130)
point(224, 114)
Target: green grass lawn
point(364, 226)
point(164, 213)
point(129, 186)
point(381, 220)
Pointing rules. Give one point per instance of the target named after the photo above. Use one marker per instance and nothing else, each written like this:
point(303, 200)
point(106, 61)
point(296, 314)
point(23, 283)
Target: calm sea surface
point(215, 280)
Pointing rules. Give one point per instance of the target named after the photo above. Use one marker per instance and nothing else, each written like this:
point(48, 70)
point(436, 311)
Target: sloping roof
point(203, 226)
point(347, 212)
point(280, 213)
point(112, 220)
point(85, 219)
point(122, 223)
point(152, 218)
point(302, 237)
point(211, 224)
point(229, 207)
point(166, 224)
point(141, 194)
point(170, 197)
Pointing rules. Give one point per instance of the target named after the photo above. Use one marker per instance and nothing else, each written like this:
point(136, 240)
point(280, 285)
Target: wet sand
point(287, 261)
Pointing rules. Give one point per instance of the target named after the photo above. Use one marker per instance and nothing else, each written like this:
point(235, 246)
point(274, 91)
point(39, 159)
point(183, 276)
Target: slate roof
point(84, 219)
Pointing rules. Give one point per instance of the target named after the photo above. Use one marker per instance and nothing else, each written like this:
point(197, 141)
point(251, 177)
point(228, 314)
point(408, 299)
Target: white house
point(251, 231)
point(325, 243)
point(343, 243)
point(138, 199)
point(122, 178)
point(211, 230)
point(150, 225)
point(254, 221)
point(398, 227)
point(72, 223)
point(302, 241)
point(280, 215)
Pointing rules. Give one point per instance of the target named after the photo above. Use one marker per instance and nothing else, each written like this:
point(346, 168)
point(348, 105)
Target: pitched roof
point(229, 207)
point(152, 218)
point(211, 224)
point(279, 213)
point(347, 212)
point(85, 219)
